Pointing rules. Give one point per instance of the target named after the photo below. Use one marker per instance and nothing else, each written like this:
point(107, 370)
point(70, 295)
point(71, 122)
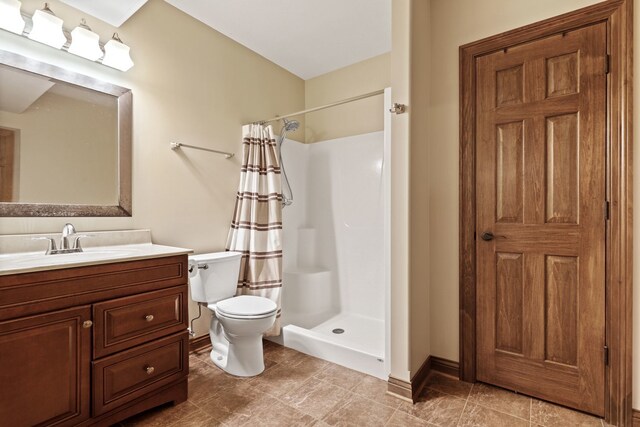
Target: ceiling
point(18, 89)
point(306, 37)
point(113, 12)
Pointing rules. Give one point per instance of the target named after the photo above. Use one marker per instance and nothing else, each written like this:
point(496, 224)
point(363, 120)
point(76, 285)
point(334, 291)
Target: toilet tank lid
point(215, 256)
point(246, 305)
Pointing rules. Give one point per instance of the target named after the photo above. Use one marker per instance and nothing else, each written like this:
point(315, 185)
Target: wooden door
point(540, 191)
point(47, 358)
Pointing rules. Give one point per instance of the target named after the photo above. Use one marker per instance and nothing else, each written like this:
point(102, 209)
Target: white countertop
point(107, 252)
point(27, 262)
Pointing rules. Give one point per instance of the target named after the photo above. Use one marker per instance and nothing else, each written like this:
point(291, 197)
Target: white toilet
point(238, 322)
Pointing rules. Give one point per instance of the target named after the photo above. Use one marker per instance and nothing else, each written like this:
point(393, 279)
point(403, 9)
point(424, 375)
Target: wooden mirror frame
point(125, 115)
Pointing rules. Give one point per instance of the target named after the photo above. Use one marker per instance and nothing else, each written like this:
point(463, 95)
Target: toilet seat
point(245, 307)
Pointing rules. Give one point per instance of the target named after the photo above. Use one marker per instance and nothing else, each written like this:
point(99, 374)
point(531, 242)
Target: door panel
point(540, 189)
point(46, 357)
point(509, 301)
point(509, 172)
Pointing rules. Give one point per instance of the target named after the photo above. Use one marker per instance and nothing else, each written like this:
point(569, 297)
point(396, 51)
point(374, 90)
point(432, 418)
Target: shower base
point(359, 347)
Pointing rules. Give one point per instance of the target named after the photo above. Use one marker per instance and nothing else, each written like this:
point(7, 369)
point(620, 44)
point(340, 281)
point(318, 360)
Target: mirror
point(65, 142)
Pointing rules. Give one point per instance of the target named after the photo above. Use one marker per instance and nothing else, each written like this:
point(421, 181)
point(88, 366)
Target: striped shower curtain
point(256, 229)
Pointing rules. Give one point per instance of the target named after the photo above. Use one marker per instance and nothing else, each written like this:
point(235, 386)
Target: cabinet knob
point(149, 369)
point(87, 324)
point(148, 317)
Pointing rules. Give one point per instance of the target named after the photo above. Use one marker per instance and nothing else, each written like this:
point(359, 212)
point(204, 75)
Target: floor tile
point(448, 385)
point(341, 376)
point(436, 408)
point(479, 416)
point(162, 416)
point(198, 418)
point(203, 354)
point(402, 419)
point(285, 378)
point(316, 398)
point(278, 353)
point(501, 400)
point(277, 414)
point(550, 415)
point(376, 390)
point(235, 405)
point(306, 363)
point(205, 381)
point(358, 411)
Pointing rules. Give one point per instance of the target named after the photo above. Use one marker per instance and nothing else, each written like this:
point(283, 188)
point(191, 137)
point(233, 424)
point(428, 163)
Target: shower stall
point(335, 297)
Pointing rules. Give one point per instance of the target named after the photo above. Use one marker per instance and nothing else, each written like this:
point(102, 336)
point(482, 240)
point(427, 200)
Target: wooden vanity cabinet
point(93, 345)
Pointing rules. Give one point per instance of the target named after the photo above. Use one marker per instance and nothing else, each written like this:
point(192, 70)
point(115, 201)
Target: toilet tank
point(218, 281)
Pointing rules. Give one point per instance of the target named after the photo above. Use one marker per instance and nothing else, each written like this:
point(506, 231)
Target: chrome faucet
point(69, 241)
point(67, 231)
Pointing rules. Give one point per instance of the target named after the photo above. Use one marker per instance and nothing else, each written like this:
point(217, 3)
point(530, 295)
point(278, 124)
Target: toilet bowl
point(237, 322)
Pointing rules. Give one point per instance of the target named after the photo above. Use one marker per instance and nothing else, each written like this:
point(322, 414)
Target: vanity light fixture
point(116, 54)
point(10, 17)
point(47, 28)
point(85, 43)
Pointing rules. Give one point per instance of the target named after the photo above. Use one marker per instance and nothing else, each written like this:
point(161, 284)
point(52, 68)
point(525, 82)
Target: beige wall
point(189, 84)
point(72, 140)
point(410, 56)
point(355, 118)
point(419, 179)
point(400, 57)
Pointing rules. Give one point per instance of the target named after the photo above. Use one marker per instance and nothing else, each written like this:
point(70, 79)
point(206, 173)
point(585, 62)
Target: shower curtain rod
point(322, 107)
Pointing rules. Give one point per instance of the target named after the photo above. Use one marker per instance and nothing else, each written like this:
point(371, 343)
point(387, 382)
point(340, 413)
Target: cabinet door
point(44, 369)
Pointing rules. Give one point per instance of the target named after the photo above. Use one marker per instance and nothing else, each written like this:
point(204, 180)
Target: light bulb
point(47, 28)
point(85, 43)
point(10, 17)
point(116, 54)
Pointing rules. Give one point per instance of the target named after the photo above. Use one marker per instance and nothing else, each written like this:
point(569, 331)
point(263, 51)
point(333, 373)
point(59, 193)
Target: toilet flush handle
point(200, 267)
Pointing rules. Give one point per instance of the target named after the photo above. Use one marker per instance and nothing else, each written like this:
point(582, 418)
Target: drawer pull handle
point(148, 317)
point(87, 324)
point(149, 369)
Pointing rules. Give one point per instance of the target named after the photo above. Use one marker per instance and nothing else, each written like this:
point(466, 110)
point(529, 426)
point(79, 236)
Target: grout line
point(338, 385)
point(500, 412)
point(465, 405)
point(391, 417)
point(444, 392)
point(530, 411)
point(461, 414)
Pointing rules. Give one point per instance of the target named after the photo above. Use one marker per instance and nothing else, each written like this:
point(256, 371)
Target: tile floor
point(300, 390)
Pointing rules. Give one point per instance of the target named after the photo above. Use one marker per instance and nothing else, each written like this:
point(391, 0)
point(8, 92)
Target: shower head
point(290, 125)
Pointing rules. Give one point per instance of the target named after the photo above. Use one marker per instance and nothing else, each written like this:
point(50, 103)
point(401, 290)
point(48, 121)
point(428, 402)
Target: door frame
point(618, 15)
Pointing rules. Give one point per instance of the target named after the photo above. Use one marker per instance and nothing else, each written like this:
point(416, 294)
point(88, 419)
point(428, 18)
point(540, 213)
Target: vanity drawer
point(126, 322)
point(131, 374)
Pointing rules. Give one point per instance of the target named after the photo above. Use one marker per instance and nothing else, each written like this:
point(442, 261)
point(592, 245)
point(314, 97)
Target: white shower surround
point(334, 258)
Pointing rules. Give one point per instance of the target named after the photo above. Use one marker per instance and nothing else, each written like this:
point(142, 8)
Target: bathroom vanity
point(95, 338)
